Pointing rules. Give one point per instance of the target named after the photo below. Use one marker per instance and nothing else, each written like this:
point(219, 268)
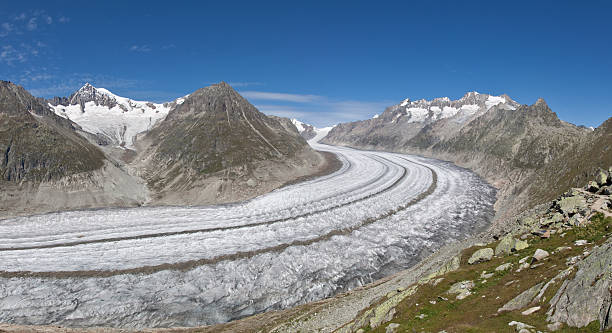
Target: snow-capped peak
point(427, 111)
point(113, 119)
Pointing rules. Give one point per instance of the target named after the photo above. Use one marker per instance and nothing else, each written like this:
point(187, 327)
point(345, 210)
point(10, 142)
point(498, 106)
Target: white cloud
point(5, 29)
point(260, 95)
point(63, 19)
point(9, 55)
point(314, 109)
point(32, 24)
point(140, 48)
point(48, 19)
point(20, 17)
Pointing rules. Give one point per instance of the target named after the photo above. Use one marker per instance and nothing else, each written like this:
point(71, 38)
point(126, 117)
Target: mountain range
point(512, 146)
point(97, 149)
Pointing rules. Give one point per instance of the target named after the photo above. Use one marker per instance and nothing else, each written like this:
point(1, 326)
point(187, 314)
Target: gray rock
point(530, 310)
point(592, 187)
point(605, 190)
point(601, 178)
point(588, 295)
point(503, 267)
point(540, 254)
point(481, 255)
point(554, 326)
point(392, 328)
point(462, 288)
point(572, 205)
point(519, 327)
point(523, 299)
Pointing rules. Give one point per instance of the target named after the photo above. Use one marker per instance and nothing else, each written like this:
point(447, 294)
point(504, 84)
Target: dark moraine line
point(187, 265)
point(206, 230)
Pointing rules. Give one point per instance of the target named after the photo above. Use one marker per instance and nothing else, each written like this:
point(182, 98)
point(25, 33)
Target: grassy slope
point(478, 312)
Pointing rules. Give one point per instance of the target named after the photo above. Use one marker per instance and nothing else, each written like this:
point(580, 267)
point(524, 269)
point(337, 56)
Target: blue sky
point(320, 61)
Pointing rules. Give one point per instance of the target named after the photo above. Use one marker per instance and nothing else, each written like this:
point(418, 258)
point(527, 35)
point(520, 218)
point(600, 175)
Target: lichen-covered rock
point(592, 187)
point(572, 205)
point(555, 218)
point(462, 288)
point(588, 296)
point(601, 178)
point(481, 256)
point(509, 244)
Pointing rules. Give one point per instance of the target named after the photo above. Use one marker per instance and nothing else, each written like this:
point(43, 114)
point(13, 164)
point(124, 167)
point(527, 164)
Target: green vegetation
point(432, 309)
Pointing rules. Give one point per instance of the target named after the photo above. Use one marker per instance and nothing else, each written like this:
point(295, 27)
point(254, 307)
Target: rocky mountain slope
point(503, 141)
point(47, 165)
point(97, 149)
point(217, 147)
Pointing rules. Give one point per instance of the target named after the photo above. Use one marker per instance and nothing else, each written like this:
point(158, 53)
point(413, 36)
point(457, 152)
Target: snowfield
point(187, 266)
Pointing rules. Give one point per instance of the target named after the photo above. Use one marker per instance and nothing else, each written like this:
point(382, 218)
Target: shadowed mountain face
point(216, 132)
point(509, 144)
point(36, 144)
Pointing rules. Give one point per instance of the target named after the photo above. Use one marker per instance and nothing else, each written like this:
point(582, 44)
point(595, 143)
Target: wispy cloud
point(314, 109)
point(10, 55)
point(28, 22)
point(5, 29)
point(140, 48)
point(19, 17)
point(32, 24)
point(261, 95)
point(168, 46)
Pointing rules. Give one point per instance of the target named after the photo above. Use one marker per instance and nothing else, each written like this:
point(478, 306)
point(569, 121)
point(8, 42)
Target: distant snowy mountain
point(308, 131)
point(115, 120)
point(424, 111)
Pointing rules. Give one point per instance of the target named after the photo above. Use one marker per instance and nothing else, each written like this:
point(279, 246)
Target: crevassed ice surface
point(189, 266)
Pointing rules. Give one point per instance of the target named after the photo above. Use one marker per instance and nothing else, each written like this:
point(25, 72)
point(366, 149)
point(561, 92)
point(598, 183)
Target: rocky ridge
point(96, 149)
point(508, 144)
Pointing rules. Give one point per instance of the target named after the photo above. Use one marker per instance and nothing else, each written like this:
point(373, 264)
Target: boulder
point(540, 255)
point(601, 178)
point(520, 245)
point(592, 187)
point(392, 328)
point(530, 310)
point(555, 218)
point(572, 205)
point(587, 295)
point(503, 267)
point(605, 190)
point(481, 255)
point(461, 288)
point(509, 244)
point(523, 299)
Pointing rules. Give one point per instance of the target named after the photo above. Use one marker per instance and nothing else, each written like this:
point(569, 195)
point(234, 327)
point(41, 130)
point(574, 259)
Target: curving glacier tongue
point(188, 266)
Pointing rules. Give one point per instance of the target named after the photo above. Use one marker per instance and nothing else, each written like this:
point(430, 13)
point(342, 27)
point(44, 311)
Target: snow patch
point(494, 100)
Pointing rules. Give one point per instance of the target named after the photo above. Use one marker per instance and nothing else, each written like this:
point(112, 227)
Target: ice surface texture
point(187, 266)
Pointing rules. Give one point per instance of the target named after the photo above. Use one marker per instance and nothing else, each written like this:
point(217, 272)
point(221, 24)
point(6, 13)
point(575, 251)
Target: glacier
point(187, 266)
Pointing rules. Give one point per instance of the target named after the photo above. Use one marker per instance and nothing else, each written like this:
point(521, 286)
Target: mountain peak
point(541, 103)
